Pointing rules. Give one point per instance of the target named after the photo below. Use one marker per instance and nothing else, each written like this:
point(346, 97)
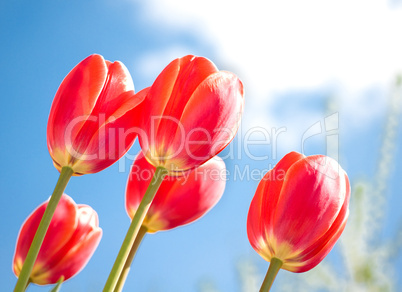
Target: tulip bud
point(190, 113)
point(180, 199)
point(299, 211)
point(70, 241)
point(92, 116)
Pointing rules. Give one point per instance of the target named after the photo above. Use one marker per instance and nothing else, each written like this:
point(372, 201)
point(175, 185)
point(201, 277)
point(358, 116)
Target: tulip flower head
point(70, 241)
point(299, 211)
point(180, 199)
point(92, 116)
point(190, 113)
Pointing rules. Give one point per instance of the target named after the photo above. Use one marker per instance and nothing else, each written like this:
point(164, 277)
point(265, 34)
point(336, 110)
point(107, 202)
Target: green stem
point(57, 287)
point(126, 269)
point(135, 225)
point(65, 175)
point(273, 270)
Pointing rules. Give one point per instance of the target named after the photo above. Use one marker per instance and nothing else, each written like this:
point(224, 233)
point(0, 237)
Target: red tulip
point(299, 211)
point(92, 116)
point(70, 241)
point(180, 199)
point(190, 113)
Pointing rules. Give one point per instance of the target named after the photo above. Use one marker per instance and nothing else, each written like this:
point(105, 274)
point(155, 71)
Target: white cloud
point(297, 43)
point(275, 46)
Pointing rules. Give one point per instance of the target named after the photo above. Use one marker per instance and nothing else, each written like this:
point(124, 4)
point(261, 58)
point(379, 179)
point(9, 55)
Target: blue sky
point(299, 64)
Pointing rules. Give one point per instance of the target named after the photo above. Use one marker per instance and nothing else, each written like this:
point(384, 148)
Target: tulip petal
point(179, 200)
point(93, 96)
point(155, 103)
point(191, 197)
point(264, 204)
point(299, 211)
point(74, 260)
point(160, 90)
point(140, 172)
point(307, 193)
point(71, 238)
point(208, 123)
point(255, 219)
point(193, 71)
point(187, 91)
point(87, 222)
point(319, 249)
point(115, 100)
point(61, 228)
point(324, 248)
point(74, 101)
point(110, 142)
point(75, 253)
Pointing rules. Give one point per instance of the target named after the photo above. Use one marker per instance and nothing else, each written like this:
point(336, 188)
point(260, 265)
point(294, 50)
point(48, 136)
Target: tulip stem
point(126, 269)
point(134, 228)
point(273, 270)
point(23, 279)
